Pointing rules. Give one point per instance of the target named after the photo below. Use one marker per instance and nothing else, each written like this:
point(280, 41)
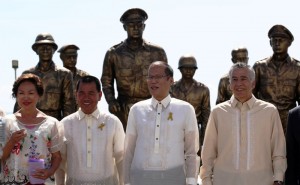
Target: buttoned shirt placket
point(157, 127)
point(88, 119)
point(244, 137)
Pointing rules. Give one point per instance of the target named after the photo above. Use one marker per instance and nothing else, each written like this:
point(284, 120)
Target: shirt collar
point(52, 66)
point(287, 60)
point(165, 102)
point(95, 114)
point(250, 102)
point(144, 44)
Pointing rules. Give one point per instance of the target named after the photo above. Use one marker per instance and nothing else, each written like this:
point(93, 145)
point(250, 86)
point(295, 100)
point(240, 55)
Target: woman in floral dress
point(30, 134)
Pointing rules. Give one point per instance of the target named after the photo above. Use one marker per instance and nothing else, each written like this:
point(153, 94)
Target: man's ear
point(100, 95)
point(171, 80)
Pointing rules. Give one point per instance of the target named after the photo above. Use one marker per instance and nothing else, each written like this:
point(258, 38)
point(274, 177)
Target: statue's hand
point(114, 107)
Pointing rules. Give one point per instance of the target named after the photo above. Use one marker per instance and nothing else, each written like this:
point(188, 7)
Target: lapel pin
point(101, 126)
point(170, 117)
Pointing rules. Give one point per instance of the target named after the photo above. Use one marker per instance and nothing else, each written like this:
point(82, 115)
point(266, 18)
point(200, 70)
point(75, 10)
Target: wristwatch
point(278, 182)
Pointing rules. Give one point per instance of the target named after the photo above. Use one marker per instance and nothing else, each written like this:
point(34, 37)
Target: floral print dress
point(42, 139)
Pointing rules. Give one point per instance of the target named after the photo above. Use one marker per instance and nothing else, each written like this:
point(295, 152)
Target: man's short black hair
point(89, 79)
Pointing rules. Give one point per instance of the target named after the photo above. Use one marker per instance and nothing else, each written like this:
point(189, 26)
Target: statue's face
point(280, 45)
point(187, 72)
point(135, 29)
point(70, 61)
point(45, 51)
point(240, 56)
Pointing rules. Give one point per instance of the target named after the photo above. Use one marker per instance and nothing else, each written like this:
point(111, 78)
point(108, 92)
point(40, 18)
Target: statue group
point(126, 65)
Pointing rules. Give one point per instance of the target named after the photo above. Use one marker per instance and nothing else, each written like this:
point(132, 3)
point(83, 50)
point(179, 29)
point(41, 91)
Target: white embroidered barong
point(94, 145)
point(161, 143)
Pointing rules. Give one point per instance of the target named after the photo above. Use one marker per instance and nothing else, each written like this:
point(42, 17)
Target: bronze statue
point(224, 93)
point(127, 63)
point(58, 98)
point(68, 55)
point(278, 76)
point(189, 90)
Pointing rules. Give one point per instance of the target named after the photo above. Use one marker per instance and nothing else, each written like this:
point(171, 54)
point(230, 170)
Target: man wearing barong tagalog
point(162, 139)
point(244, 143)
point(94, 140)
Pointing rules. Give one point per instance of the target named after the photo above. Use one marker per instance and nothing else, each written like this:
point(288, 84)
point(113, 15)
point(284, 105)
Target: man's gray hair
point(241, 65)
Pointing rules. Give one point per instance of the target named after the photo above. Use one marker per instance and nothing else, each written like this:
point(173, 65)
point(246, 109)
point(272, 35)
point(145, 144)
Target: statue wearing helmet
point(187, 61)
point(196, 93)
point(58, 99)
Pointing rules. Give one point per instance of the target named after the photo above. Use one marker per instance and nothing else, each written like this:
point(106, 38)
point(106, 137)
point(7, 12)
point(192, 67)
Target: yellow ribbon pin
point(170, 117)
point(101, 126)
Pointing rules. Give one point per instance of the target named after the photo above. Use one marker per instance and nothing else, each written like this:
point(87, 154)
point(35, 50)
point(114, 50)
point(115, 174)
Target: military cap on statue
point(134, 15)
point(280, 31)
point(68, 49)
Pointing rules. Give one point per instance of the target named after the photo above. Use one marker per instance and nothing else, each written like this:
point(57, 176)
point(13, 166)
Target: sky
point(208, 29)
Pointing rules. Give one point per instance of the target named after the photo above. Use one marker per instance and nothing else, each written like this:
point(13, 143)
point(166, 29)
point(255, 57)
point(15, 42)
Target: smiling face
point(158, 81)
point(88, 97)
point(45, 51)
point(241, 84)
point(27, 95)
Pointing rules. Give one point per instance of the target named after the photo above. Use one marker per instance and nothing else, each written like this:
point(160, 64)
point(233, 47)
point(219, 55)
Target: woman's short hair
point(28, 77)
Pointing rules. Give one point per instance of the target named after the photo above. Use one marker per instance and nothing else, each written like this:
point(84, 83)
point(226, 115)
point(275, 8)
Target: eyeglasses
point(158, 77)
